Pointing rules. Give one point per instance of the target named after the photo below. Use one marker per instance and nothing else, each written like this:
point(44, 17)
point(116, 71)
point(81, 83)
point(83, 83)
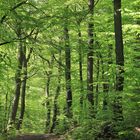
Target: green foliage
point(41, 23)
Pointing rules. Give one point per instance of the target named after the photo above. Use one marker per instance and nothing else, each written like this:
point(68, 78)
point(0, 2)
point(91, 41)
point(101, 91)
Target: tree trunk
point(68, 72)
point(18, 84)
point(55, 108)
point(23, 89)
point(90, 55)
point(119, 59)
point(48, 104)
point(97, 85)
point(80, 63)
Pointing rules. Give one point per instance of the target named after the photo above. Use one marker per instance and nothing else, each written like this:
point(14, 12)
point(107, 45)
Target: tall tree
point(58, 88)
point(80, 60)
point(23, 86)
point(68, 69)
point(119, 58)
point(48, 103)
point(97, 79)
point(90, 55)
point(17, 79)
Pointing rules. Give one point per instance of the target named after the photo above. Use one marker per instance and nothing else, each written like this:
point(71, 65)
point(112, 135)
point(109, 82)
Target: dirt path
point(37, 137)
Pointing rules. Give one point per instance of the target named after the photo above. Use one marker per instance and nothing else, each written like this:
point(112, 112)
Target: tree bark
point(90, 55)
point(119, 45)
point(23, 88)
point(48, 103)
point(55, 108)
point(119, 59)
point(80, 62)
point(68, 72)
point(18, 83)
point(97, 85)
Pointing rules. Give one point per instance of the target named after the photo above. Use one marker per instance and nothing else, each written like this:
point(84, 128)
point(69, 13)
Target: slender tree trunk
point(55, 108)
point(23, 90)
point(18, 84)
point(68, 72)
point(119, 59)
point(8, 116)
point(48, 104)
point(97, 85)
point(80, 63)
point(90, 55)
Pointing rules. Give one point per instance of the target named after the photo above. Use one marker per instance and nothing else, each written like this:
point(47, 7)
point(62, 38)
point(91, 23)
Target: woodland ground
point(36, 137)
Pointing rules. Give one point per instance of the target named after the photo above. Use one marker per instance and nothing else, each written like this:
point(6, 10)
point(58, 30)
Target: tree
point(48, 103)
point(90, 55)
point(68, 71)
point(119, 49)
point(84, 80)
point(58, 89)
point(67, 65)
point(17, 78)
point(24, 84)
point(80, 60)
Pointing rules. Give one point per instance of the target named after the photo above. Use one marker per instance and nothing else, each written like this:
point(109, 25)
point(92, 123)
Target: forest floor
point(38, 137)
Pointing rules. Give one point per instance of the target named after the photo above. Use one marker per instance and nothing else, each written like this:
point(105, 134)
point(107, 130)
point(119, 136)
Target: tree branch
point(17, 39)
point(13, 8)
point(58, 61)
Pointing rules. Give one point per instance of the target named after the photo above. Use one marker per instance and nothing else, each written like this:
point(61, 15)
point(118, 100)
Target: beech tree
point(119, 49)
point(17, 78)
point(90, 54)
point(68, 71)
point(62, 69)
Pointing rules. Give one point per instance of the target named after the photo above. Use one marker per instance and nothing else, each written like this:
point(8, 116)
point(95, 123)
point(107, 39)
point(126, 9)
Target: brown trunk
point(90, 55)
point(80, 63)
point(18, 83)
point(55, 108)
point(119, 59)
point(23, 90)
point(97, 85)
point(68, 72)
point(119, 46)
point(48, 104)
